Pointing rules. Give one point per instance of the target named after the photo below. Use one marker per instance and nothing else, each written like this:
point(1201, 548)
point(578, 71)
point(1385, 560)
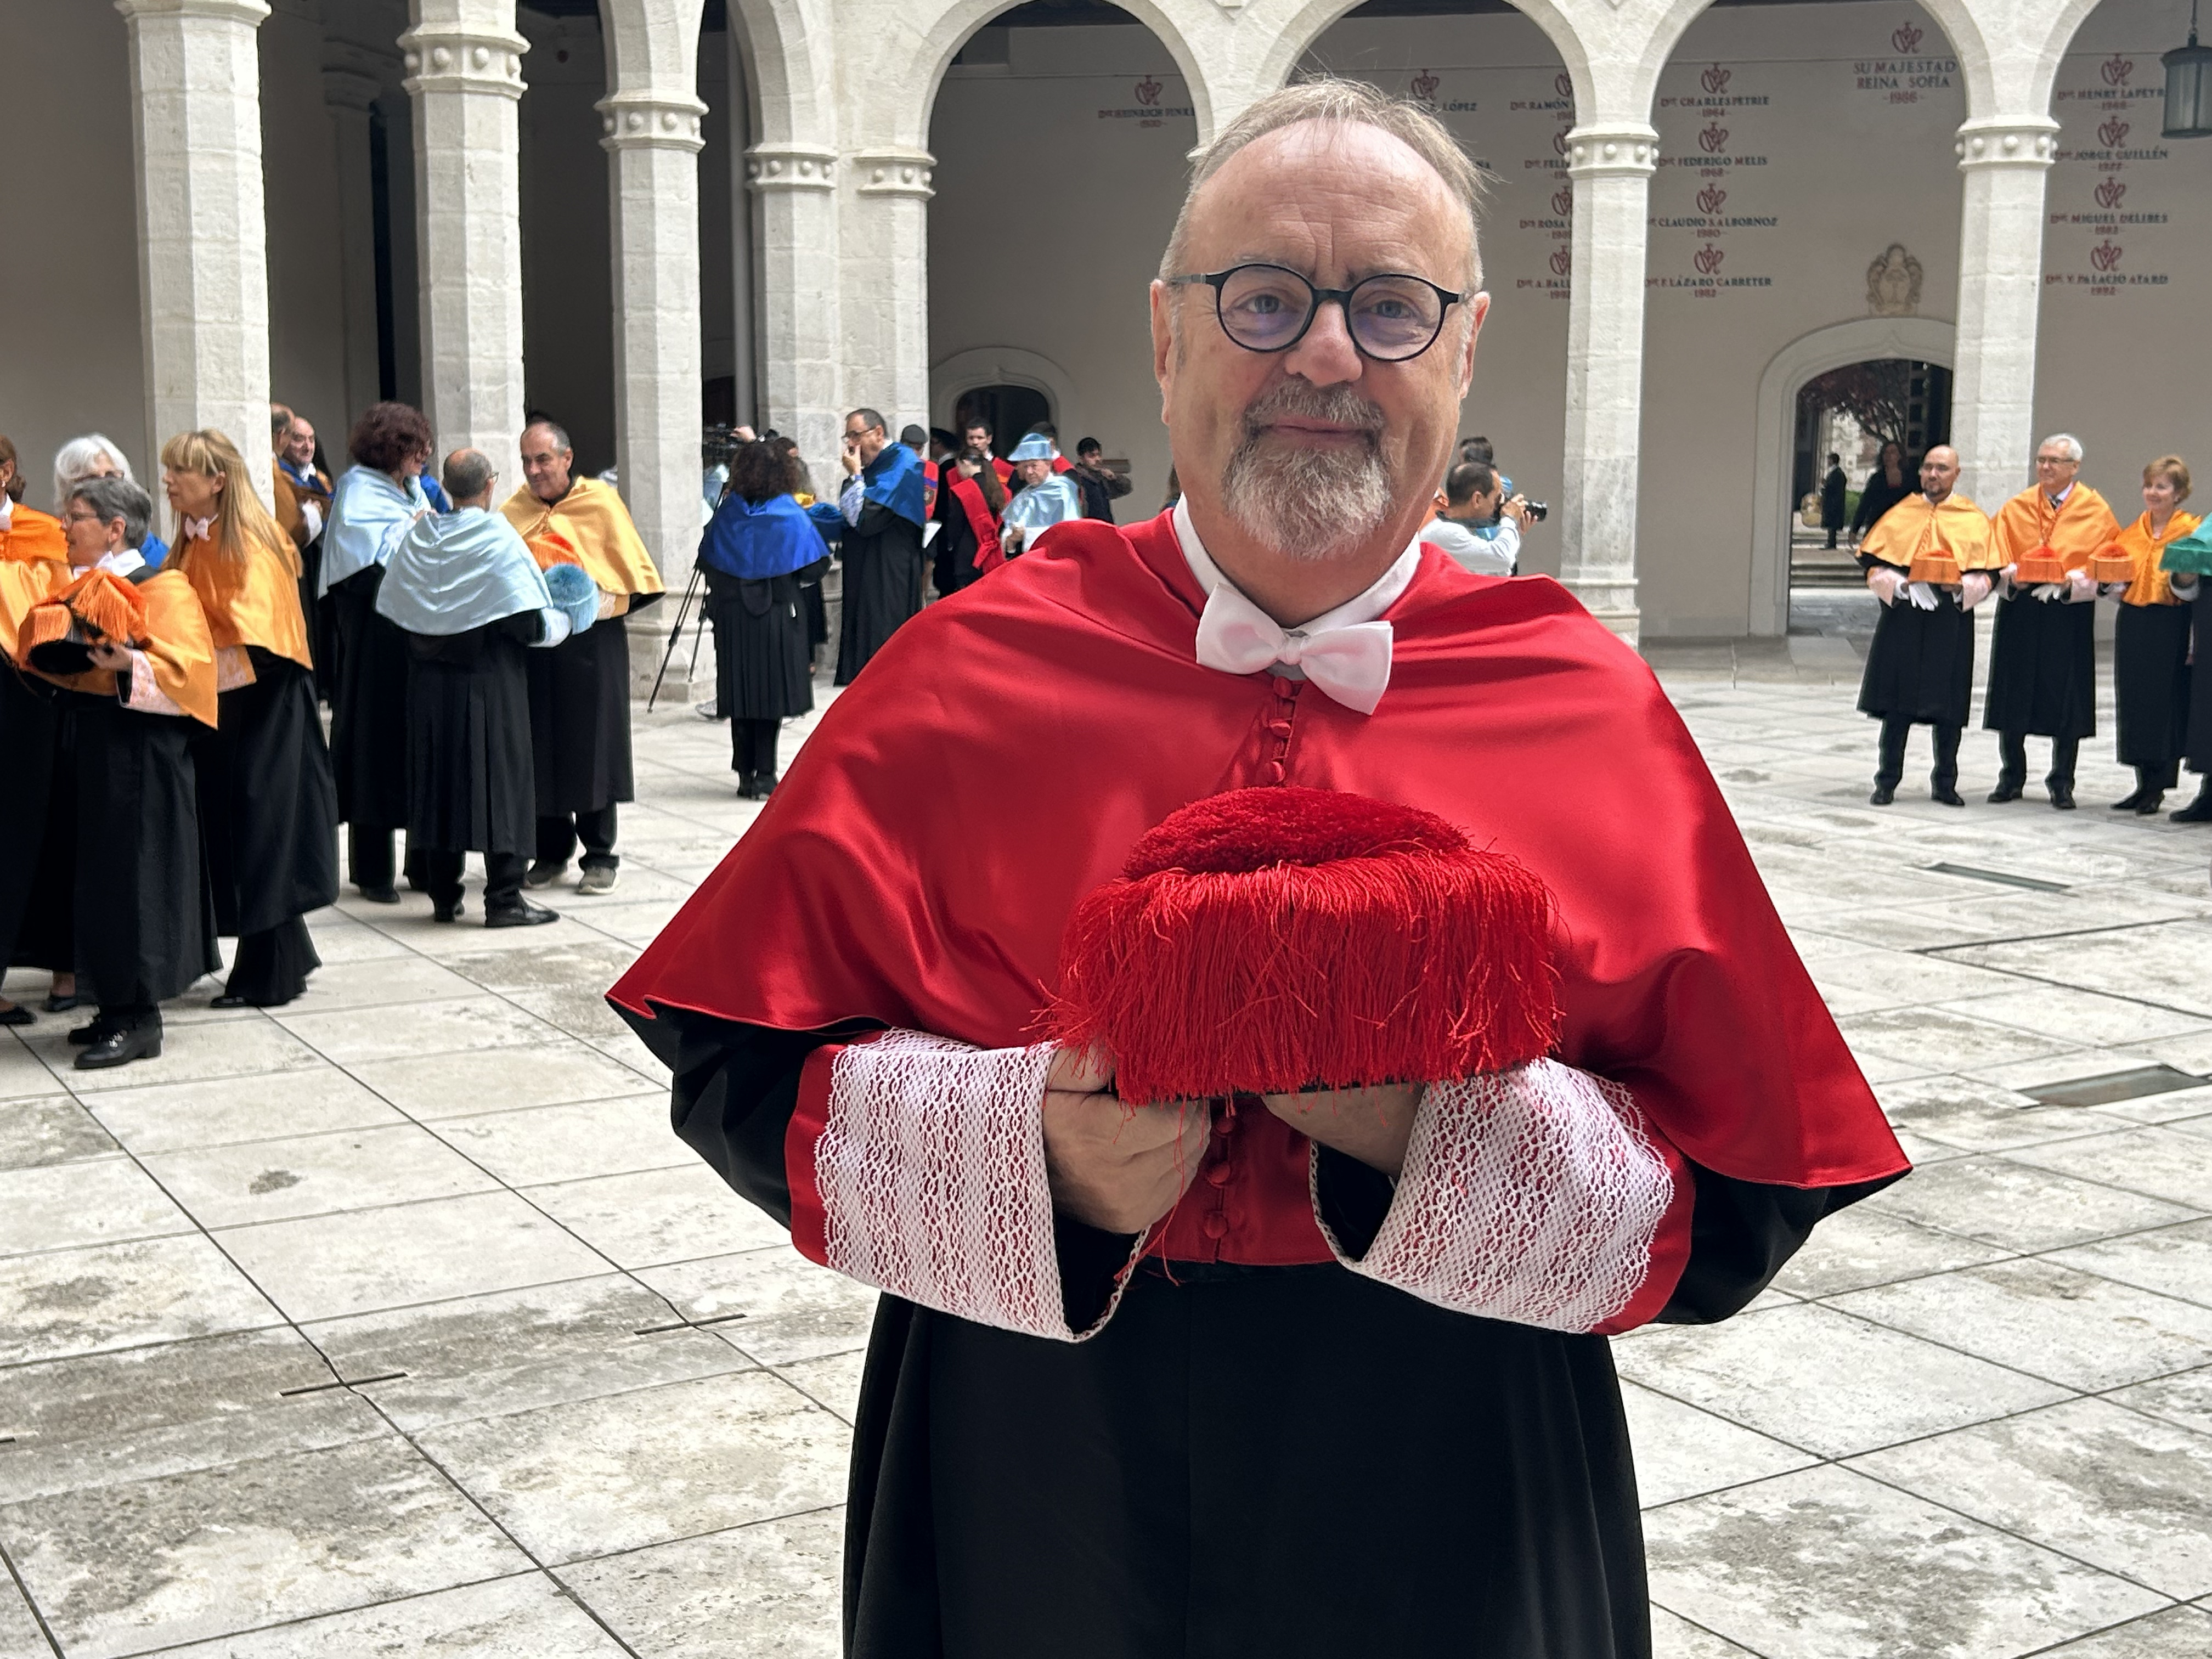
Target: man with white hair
point(1046, 497)
point(1262, 1373)
point(2043, 655)
point(96, 455)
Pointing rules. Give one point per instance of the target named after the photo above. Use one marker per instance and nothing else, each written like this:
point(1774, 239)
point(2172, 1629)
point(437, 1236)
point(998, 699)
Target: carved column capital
point(650, 121)
point(1616, 147)
point(895, 171)
point(771, 167)
point(2031, 142)
point(440, 60)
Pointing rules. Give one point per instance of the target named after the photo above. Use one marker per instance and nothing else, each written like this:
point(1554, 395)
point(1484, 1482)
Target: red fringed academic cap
point(1001, 755)
point(1264, 939)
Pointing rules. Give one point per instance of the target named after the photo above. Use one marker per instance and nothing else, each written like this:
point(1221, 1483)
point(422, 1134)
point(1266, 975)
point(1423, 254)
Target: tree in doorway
point(1879, 395)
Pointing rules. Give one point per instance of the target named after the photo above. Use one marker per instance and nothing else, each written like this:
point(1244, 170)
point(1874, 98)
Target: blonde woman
point(2150, 645)
point(268, 809)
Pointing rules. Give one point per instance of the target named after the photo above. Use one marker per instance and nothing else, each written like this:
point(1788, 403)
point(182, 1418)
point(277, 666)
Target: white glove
point(1885, 582)
point(2049, 591)
point(1973, 587)
point(2184, 587)
point(313, 515)
point(1923, 595)
point(2081, 589)
point(2113, 590)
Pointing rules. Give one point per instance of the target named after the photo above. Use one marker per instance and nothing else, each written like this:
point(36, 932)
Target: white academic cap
point(1034, 448)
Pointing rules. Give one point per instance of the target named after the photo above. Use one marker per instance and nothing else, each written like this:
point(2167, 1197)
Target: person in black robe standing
point(268, 807)
point(1833, 488)
point(881, 504)
point(37, 840)
point(1890, 482)
point(753, 554)
point(2151, 675)
point(580, 690)
point(470, 600)
point(145, 915)
point(379, 497)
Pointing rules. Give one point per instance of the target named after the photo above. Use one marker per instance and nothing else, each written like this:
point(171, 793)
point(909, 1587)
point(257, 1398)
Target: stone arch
point(1316, 17)
point(903, 79)
point(981, 366)
point(1982, 69)
point(790, 89)
point(2038, 68)
point(1922, 339)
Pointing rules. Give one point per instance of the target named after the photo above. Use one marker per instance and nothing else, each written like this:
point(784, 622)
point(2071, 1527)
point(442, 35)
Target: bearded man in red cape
point(1305, 1373)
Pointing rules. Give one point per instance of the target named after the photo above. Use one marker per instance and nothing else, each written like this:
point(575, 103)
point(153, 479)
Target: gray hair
point(114, 498)
point(560, 433)
point(75, 459)
point(468, 474)
point(1349, 103)
point(2067, 441)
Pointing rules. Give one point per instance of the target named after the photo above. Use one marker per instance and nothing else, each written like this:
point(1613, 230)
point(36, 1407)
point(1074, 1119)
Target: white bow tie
point(1350, 664)
point(196, 530)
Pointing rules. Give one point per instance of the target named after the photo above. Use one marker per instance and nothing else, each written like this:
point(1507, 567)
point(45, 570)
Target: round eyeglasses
point(1391, 318)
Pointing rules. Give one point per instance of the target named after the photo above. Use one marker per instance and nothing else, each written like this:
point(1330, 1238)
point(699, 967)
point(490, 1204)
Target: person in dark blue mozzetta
point(760, 540)
point(881, 503)
point(464, 592)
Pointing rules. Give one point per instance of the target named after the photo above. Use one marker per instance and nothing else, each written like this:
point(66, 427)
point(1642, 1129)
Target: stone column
point(797, 185)
point(465, 75)
point(745, 322)
point(886, 314)
point(349, 90)
point(2005, 162)
point(1612, 167)
point(655, 139)
point(203, 261)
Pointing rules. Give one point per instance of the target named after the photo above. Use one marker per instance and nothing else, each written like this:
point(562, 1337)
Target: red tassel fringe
point(1265, 940)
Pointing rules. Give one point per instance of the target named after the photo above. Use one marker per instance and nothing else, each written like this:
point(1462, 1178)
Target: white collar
point(1360, 608)
point(121, 562)
point(2059, 500)
point(7, 509)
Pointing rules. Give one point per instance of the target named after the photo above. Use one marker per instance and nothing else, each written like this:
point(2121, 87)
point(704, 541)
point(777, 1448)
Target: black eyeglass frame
point(1217, 280)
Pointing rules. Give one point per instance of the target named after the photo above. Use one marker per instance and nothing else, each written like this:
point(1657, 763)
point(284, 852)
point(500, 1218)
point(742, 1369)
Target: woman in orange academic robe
point(2150, 645)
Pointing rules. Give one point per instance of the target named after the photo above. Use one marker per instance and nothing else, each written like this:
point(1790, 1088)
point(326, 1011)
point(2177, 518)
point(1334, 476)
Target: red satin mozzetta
point(1002, 755)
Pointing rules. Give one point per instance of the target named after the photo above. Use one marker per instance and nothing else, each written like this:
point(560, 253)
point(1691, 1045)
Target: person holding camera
point(1480, 526)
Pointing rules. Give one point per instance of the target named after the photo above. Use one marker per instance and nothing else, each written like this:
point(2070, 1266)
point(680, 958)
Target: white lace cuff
point(232, 667)
point(142, 693)
point(919, 1168)
point(1533, 1195)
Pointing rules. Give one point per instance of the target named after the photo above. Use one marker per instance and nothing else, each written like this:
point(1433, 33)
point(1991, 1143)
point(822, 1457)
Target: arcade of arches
point(633, 213)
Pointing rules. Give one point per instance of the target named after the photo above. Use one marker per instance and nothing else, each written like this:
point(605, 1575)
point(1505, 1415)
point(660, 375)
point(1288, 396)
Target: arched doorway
point(1060, 132)
point(1007, 410)
point(1849, 414)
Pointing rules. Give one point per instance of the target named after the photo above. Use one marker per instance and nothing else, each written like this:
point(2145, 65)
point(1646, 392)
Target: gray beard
point(1306, 504)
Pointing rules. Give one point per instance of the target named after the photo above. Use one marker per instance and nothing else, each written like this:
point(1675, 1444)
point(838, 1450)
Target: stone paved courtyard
point(397, 1322)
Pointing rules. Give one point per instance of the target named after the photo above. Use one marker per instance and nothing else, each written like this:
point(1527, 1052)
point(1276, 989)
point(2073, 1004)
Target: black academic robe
point(470, 782)
point(2043, 669)
point(37, 839)
point(580, 718)
point(1920, 666)
point(761, 670)
point(883, 585)
point(269, 812)
point(2151, 682)
point(368, 708)
point(145, 908)
point(1472, 1495)
point(2197, 736)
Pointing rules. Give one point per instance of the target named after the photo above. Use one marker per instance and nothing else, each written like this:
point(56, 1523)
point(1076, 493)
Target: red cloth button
point(1218, 1172)
point(1276, 772)
point(1280, 728)
point(1215, 1226)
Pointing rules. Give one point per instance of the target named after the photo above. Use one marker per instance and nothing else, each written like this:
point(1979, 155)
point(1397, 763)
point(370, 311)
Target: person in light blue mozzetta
point(752, 553)
point(467, 598)
point(376, 502)
point(1046, 497)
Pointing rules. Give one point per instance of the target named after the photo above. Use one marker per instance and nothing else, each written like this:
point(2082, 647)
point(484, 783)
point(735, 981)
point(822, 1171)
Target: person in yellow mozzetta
point(2150, 645)
point(579, 689)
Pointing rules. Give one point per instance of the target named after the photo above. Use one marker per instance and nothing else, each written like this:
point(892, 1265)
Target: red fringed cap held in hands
point(1266, 939)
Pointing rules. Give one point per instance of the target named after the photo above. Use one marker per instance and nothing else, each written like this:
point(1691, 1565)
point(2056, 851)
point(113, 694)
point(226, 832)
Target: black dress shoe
point(1883, 794)
point(2197, 812)
point(521, 914)
point(91, 1032)
point(227, 1000)
point(18, 1015)
point(2062, 797)
point(1945, 795)
point(2003, 793)
point(62, 1005)
point(2147, 807)
point(446, 912)
point(385, 895)
point(2131, 804)
point(122, 1045)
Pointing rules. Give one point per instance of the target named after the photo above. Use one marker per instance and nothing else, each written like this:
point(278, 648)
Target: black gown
point(2197, 746)
point(580, 718)
point(145, 909)
point(269, 818)
point(2151, 682)
point(37, 840)
point(883, 585)
point(368, 710)
point(2043, 669)
point(1920, 666)
point(1290, 1461)
point(468, 728)
point(760, 646)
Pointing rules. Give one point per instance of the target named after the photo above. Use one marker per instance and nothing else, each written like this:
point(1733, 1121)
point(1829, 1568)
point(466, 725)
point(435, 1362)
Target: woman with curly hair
point(268, 813)
point(376, 502)
point(753, 551)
